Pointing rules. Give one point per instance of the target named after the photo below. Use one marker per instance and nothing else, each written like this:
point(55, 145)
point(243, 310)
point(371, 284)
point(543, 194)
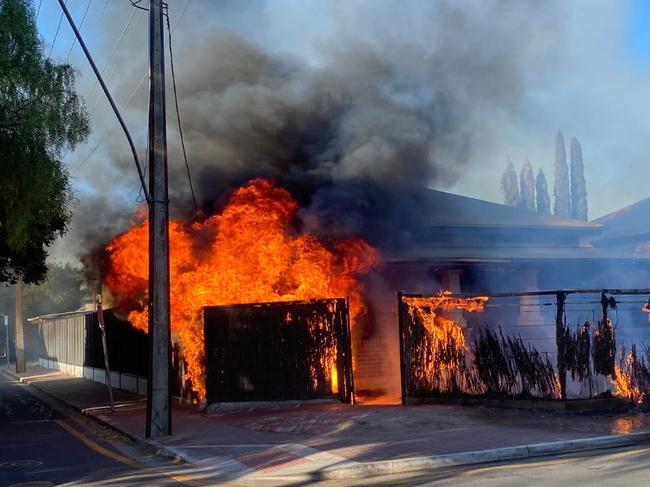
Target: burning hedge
point(505, 366)
point(437, 360)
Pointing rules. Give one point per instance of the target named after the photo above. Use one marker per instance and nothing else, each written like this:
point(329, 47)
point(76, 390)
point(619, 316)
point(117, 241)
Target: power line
point(136, 4)
point(81, 24)
point(90, 44)
point(38, 11)
point(99, 24)
point(114, 126)
point(108, 95)
point(58, 27)
point(180, 17)
point(112, 52)
point(144, 76)
point(132, 95)
point(116, 61)
point(178, 115)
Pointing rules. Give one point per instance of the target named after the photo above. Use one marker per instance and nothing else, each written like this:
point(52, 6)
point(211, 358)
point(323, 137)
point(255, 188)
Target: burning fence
point(250, 252)
point(433, 346)
point(278, 351)
point(438, 359)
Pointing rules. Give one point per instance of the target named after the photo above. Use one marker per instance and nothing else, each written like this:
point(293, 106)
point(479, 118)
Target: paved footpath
point(285, 443)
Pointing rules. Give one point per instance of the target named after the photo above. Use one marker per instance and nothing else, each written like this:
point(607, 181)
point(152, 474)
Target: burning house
point(235, 274)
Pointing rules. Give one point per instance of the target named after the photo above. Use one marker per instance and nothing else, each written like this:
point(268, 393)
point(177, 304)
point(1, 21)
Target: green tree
point(40, 117)
point(541, 191)
point(62, 291)
point(579, 205)
point(561, 188)
point(509, 185)
point(527, 187)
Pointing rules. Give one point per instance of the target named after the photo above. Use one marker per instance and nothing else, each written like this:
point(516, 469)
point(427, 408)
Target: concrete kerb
point(373, 469)
point(148, 445)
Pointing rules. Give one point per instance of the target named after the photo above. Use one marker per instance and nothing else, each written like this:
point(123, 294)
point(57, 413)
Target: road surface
point(43, 444)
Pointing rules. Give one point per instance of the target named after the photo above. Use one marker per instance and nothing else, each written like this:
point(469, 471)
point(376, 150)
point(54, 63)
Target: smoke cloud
point(375, 99)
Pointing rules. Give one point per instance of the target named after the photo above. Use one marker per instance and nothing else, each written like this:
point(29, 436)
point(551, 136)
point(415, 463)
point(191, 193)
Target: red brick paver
point(270, 460)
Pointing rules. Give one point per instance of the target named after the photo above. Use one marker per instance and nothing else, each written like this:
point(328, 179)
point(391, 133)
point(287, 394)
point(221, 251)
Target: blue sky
point(638, 39)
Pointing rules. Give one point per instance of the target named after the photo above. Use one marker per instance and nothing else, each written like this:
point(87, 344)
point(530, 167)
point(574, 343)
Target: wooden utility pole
point(158, 386)
point(20, 334)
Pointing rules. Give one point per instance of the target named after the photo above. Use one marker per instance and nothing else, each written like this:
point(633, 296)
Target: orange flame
point(247, 253)
point(446, 337)
point(646, 307)
point(624, 384)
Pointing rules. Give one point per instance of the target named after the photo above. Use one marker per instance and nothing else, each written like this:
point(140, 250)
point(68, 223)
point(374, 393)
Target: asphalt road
point(43, 444)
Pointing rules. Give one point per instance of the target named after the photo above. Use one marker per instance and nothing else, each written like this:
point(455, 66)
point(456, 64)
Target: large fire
point(249, 252)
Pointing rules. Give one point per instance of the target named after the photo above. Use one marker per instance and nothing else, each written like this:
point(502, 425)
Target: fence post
point(604, 303)
point(347, 344)
point(560, 341)
point(402, 361)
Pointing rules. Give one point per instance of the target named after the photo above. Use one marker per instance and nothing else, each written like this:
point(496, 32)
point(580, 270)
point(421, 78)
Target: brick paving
point(270, 459)
point(318, 419)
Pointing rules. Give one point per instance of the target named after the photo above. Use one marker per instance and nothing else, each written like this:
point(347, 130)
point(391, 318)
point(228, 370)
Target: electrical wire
point(109, 96)
point(136, 4)
point(116, 62)
point(81, 24)
point(114, 126)
point(99, 24)
point(38, 11)
point(110, 57)
point(90, 45)
point(180, 17)
point(56, 34)
point(178, 116)
point(132, 95)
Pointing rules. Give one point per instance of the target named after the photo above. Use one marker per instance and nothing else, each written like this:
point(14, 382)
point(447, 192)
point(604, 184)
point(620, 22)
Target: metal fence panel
point(75, 339)
point(278, 351)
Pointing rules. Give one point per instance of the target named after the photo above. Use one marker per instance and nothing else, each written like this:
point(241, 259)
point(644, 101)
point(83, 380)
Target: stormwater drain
point(21, 464)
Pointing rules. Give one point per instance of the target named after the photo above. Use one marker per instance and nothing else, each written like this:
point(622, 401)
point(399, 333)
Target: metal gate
point(278, 351)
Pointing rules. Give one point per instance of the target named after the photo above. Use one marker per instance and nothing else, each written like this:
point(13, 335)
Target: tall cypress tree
point(561, 189)
point(541, 190)
point(509, 185)
point(527, 187)
point(579, 207)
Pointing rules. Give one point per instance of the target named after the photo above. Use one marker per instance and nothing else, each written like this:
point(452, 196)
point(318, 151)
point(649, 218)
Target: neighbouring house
point(443, 241)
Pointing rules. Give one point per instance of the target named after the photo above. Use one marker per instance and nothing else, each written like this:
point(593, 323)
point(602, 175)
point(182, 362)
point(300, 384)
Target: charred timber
point(561, 342)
